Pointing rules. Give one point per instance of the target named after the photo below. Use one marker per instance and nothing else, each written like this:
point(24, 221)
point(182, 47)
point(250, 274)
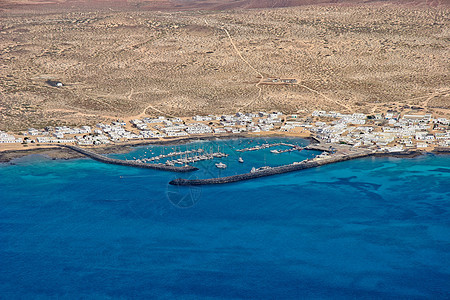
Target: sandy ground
point(137, 63)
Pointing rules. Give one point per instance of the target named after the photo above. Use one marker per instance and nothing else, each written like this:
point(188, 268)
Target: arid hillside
point(174, 5)
point(133, 63)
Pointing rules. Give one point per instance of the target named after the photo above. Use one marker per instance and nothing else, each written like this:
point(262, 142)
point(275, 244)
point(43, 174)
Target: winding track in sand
point(262, 78)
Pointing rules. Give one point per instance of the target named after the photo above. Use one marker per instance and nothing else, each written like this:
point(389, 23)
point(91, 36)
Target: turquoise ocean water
point(370, 228)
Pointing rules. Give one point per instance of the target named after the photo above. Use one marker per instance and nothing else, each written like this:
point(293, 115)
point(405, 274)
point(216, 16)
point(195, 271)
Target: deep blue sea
point(373, 228)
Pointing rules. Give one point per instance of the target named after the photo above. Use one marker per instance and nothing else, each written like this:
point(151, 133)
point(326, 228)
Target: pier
point(294, 148)
point(136, 164)
point(321, 147)
point(265, 146)
point(196, 158)
point(306, 164)
point(172, 154)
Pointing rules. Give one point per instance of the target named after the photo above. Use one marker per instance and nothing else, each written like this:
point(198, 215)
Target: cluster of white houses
point(390, 131)
point(387, 131)
point(160, 127)
point(176, 127)
point(6, 138)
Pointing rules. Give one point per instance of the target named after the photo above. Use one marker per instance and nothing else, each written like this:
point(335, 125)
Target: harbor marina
point(204, 155)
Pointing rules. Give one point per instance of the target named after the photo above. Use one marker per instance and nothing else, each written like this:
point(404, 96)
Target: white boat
point(240, 160)
point(275, 151)
point(253, 170)
point(221, 165)
point(264, 168)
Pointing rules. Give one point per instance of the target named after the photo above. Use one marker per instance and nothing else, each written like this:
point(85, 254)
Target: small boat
point(221, 165)
point(240, 160)
point(253, 170)
point(264, 168)
point(275, 151)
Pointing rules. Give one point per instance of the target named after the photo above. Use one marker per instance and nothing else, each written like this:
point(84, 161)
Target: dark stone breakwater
point(272, 171)
point(338, 153)
point(135, 164)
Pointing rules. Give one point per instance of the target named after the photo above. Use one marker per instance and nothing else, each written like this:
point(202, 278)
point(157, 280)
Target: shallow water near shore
point(367, 228)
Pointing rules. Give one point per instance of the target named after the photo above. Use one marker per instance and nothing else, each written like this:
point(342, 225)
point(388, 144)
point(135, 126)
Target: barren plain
point(134, 63)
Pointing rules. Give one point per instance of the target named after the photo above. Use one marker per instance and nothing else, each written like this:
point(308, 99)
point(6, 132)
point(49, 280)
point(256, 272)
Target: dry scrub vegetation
point(123, 64)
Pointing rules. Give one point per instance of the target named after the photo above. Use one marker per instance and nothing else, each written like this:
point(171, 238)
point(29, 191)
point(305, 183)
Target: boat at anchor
point(221, 165)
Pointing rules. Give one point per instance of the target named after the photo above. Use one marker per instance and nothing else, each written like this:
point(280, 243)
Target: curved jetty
point(274, 170)
point(135, 164)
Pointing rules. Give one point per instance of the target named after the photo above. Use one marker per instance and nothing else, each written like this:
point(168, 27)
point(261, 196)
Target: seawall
point(272, 171)
point(136, 164)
